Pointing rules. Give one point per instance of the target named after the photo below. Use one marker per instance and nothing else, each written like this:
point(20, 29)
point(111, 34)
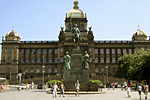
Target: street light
point(43, 73)
point(107, 73)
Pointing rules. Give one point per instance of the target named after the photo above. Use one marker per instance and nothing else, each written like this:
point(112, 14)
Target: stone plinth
point(76, 62)
point(66, 75)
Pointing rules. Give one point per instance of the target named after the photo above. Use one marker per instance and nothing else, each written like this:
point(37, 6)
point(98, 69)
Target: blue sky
point(41, 19)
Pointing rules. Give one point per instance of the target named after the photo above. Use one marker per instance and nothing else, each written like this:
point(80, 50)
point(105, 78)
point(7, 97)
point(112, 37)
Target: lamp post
point(43, 73)
point(107, 73)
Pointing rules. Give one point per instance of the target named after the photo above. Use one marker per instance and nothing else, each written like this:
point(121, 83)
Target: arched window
point(9, 59)
point(20, 70)
point(102, 70)
point(69, 27)
point(82, 27)
point(38, 70)
point(32, 70)
point(26, 69)
point(8, 70)
point(96, 70)
point(49, 70)
point(55, 70)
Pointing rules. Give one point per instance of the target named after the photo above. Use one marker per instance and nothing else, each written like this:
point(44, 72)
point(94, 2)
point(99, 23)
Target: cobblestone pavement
point(116, 94)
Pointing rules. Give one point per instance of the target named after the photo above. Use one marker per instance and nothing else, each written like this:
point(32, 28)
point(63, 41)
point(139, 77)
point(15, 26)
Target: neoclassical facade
point(28, 57)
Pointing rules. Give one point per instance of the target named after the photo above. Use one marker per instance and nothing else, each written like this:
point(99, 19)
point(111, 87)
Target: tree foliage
point(134, 66)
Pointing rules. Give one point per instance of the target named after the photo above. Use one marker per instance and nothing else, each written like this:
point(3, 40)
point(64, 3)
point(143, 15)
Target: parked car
point(21, 86)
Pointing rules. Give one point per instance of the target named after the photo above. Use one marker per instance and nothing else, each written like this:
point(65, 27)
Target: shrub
point(96, 81)
point(52, 82)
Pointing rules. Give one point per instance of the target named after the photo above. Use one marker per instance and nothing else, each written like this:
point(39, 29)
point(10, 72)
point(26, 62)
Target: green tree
point(134, 66)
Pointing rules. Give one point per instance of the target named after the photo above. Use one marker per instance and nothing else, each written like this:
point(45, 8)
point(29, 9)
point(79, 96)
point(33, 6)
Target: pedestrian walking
point(62, 89)
point(32, 85)
point(26, 87)
point(54, 89)
point(125, 85)
point(122, 86)
point(77, 85)
point(113, 86)
point(108, 85)
point(128, 91)
point(139, 90)
point(131, 86)
point(146, 90)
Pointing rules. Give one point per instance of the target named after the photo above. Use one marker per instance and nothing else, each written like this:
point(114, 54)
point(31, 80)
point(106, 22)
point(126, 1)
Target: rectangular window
point(44, 51)
point(90, 49)
point(9, 50)
point(56, 51)
point(113, 60)
point(38, 60)
point(101, 51)
point(27, 60)
point(33, 51)
point(130, 51)
point(33, 60)
point(39, 51)
point(44, 60)
point(27, 51)
point(90, 60)
point(118, 51)
point(50, 60)
point(55, 70)
point(102, 60)
point(96, 51)
point(107, 51)
point(96, 60)
point(21, 60)
point(56, 60)
point(61, 50)
point(50, 51)
point(61, 59)
point(124, 51)
point(113, 51)
point(107, 60)
point(22, 51)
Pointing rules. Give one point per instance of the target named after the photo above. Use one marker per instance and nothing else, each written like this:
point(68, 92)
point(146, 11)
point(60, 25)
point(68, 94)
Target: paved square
point(116, 94)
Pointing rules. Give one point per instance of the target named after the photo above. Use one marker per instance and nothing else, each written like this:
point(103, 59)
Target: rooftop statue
point(76, 36)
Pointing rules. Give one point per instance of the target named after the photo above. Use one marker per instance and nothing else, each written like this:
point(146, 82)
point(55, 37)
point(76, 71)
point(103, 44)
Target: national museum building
point(28, 57)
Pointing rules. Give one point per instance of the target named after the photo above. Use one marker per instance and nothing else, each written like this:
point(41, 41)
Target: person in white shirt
point(139, 90)
point(77, 85)
point(125, 85)
point(54, 88)
point(32, 85)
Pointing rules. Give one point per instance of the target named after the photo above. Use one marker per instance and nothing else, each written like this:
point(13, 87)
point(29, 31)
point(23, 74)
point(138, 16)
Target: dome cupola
point(75, 12)
point(139, 35)
point(12, 36)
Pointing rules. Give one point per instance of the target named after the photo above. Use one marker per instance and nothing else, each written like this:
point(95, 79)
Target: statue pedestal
point(77, 72)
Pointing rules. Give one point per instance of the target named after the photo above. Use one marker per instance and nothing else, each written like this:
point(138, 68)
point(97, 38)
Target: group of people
point(139, 88)
point(109, 85)
point(32, 86)
point(63, 89)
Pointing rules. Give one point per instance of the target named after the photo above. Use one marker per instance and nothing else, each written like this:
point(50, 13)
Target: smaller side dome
point(139, 35)
point(12, 35)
